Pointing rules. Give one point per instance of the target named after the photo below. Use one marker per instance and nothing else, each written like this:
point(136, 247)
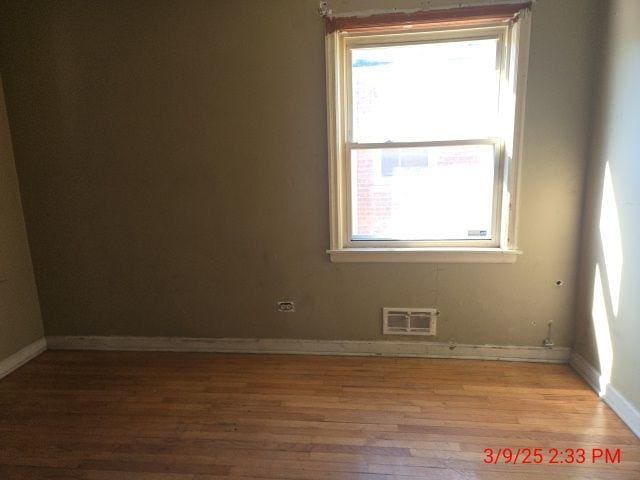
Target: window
point(424, 118)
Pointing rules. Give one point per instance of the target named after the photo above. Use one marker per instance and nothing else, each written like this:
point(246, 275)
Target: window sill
point(425, 255)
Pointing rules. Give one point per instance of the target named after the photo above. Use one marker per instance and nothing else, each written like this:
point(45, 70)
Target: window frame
point(512, 55)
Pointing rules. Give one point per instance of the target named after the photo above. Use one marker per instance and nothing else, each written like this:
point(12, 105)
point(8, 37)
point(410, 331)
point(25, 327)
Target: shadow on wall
point(607, 279)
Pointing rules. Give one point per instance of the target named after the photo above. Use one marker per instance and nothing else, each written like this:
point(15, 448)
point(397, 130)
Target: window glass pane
point(430, 193)
point(431, 91)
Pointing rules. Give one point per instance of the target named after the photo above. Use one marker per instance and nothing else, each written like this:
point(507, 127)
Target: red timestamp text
point(551, 456)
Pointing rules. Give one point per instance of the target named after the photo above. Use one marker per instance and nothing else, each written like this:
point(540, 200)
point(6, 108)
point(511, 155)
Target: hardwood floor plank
point(181, 416)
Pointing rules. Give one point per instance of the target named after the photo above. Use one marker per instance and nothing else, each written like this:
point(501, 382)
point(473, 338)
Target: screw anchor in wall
point(324, 10)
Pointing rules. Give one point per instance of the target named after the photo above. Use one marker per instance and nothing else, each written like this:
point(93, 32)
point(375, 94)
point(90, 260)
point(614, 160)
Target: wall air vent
point(409, 321)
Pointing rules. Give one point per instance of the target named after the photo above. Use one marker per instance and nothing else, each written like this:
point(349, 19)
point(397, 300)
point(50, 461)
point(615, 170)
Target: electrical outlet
point(286, 306)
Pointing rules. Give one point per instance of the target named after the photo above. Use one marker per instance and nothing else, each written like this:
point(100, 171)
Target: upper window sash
point(367, 40)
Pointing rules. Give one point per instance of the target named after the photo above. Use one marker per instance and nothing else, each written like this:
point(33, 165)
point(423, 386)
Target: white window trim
point(501, 250)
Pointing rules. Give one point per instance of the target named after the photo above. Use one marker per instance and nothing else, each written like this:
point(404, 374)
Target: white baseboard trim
point(21, 357)
point(623, 408)
point(612, 397)
point(312, 347)
point(590, 374)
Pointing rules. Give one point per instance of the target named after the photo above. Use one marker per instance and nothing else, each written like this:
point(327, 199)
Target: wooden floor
point(177, 416)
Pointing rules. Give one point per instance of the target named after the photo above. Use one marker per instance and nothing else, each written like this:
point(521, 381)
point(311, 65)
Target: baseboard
point(590, 374)
point(21, 357)
point(623, 408)
point(618, 403)
point(312, 347)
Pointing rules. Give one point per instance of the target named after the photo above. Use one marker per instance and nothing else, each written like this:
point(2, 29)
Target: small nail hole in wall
point(559, 283)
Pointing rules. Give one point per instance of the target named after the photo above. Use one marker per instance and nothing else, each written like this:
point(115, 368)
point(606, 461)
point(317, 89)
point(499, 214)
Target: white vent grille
point(409, 321)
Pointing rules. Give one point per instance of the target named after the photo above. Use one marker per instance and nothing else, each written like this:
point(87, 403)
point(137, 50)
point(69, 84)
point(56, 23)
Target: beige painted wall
point(612, 213)
point(20, 320)
point(173, 161)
